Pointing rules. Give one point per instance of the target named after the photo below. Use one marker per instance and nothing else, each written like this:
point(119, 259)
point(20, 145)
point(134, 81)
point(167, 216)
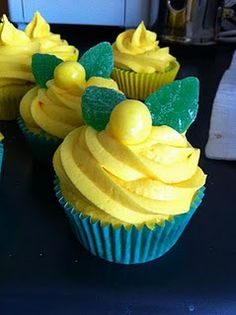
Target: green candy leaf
point(97, 105)
point(43, 66)
point(175, 104)
point(98, 61)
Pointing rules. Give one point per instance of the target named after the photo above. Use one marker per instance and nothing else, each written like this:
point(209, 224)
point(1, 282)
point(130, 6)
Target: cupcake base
point(124, 246)
point(140, 85)
point(10, 97)
point(42, 145)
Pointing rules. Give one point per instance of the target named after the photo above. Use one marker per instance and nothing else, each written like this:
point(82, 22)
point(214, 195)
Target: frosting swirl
point(138, 50)
point(54, 110)
point(10, 35)
point(143, 183)
point(17, 48)
point(13, 42)
point(39, 30)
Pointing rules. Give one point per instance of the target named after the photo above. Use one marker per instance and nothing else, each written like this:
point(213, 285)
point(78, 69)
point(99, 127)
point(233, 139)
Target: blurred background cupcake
point(38, 30)
point(141, 66)
point(130, 189)
point(16, 50)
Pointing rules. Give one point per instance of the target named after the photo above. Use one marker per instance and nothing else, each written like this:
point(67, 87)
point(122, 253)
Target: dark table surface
point(44, 270)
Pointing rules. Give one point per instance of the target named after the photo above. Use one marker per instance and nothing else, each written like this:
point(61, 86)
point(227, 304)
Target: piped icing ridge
point(138, 50)
point(53, 110)
point(9, 35)
point(142, 182)
point(38, 27)
point(39, 30)
point(16, 50)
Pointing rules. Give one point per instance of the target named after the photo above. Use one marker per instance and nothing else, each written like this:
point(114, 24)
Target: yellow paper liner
point(140, 85)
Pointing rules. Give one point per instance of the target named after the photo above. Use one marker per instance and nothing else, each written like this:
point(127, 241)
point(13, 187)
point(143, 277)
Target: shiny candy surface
point(69, 75)
point(130, 122)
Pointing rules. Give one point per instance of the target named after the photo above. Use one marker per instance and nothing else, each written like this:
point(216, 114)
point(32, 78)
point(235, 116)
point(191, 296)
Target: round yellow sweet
point(69, 75)
point(102, 82)
point(130, 122)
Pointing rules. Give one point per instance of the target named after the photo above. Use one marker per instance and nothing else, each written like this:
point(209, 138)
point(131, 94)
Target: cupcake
point(129, 186)
point(1, 151)
point(52, 109)
point(140, 65)
point(16, 50)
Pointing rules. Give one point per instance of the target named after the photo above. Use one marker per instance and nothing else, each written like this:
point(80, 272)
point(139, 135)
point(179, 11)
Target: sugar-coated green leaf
point(98, 60)
point(175, 104)
point(97, 105)
point(43, 66)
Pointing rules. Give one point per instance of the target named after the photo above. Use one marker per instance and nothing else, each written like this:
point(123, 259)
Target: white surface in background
point(92, 12)
point(126, 13)
point(221, 143)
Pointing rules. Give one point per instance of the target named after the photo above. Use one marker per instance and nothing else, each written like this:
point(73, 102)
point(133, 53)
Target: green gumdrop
point(175, 104)
point(43, 66)
point(98, 61)
point(97, 105)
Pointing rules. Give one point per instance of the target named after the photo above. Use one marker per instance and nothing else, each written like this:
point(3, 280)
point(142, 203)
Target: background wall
point(123, 13)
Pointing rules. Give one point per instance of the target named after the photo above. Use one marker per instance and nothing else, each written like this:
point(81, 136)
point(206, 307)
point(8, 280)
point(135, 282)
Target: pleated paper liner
point(42, 144)
point(10, 97)
point(124, 246)
point(140, 85)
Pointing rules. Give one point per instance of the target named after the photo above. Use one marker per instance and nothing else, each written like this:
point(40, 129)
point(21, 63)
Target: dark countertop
point(44, 270)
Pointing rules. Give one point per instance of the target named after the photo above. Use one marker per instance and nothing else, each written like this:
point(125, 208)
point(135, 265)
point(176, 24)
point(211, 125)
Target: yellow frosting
point(102, 82)
point(10, 35)
point(138, 50)
point(39, 30)
point(140, 183)
point(38, 27)
point(1, 136)
point(16, 50)
point(54, 110)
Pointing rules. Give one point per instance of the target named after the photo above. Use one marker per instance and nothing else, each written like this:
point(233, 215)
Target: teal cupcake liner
point(42, 145)
point(126, 246)
point(1, 155)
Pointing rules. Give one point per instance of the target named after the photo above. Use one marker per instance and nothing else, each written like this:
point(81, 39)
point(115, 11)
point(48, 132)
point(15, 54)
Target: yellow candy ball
point(130, 122)
point(69, 75)
point(102, 82)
